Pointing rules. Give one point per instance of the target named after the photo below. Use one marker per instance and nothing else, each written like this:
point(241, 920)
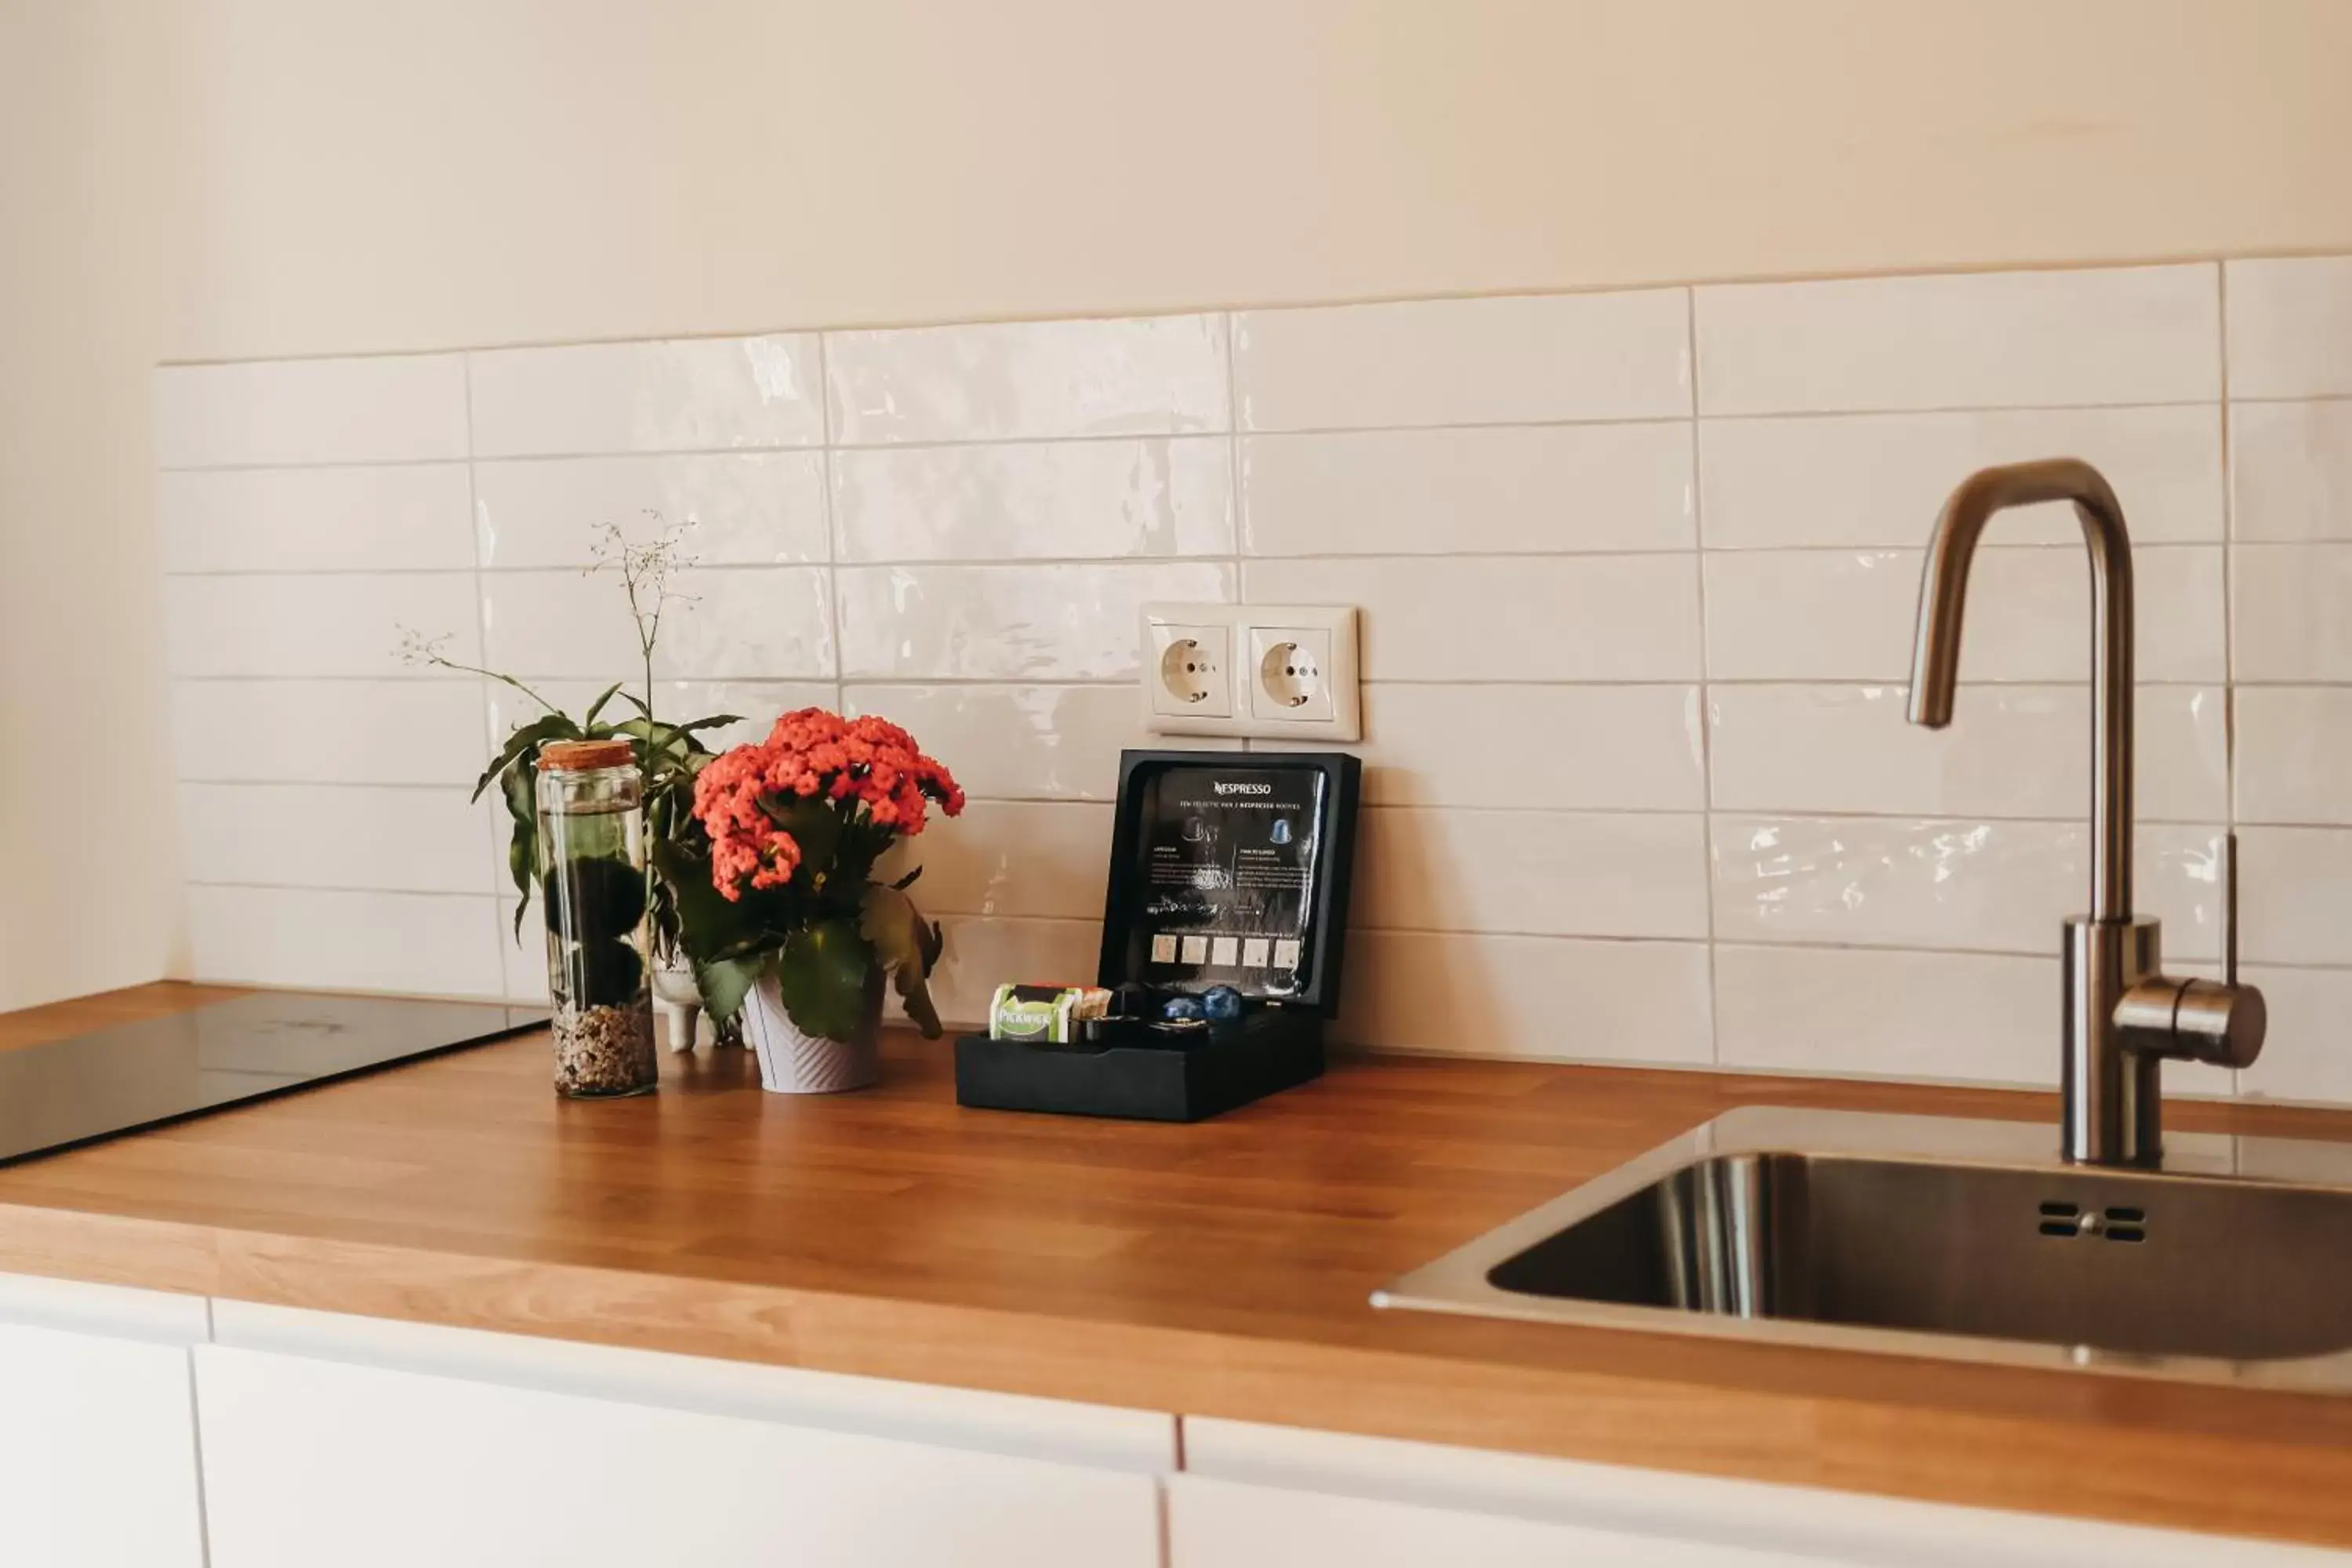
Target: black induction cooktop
point(248, 1047)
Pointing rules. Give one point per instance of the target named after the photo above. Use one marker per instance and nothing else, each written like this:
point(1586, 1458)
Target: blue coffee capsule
point(1221, 1003)
point(1182, 1007)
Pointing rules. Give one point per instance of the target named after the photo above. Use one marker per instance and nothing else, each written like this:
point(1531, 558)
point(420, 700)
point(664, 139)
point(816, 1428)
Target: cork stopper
point(581, 757)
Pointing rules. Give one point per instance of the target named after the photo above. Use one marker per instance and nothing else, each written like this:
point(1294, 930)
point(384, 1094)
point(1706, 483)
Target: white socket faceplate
point(1285, 672)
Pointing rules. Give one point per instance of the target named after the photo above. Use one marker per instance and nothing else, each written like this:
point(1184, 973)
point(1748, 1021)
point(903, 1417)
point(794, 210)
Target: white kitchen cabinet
point(403, 1445)
point(1270, 1497)
point(98, 1443)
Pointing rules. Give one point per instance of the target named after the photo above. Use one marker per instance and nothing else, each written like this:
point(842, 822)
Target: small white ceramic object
point(681, 1003)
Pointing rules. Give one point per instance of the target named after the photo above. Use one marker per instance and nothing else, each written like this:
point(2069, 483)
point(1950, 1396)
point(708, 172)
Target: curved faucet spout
point(1936, 655)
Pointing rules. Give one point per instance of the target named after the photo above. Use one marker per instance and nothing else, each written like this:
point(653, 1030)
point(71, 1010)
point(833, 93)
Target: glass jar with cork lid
point(592, 886)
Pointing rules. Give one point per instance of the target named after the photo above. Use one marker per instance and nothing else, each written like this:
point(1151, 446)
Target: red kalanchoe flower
point(867, 769)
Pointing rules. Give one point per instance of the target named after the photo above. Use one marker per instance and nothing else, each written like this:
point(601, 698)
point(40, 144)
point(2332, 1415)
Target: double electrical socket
point(1278, 671)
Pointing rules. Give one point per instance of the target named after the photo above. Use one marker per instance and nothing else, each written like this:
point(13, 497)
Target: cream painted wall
point(88, 210)
point(195, 179)
point(381, 175)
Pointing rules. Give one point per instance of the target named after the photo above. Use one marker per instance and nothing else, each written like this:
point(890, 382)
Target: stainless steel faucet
point(2124, 1015)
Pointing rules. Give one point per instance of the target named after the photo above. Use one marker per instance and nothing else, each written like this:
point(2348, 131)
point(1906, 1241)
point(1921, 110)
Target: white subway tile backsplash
point(1976, 885)
point(1638, 574)
point(328, 732)
point(2295, 754)
point(1981, 1017)
point(2291, 327)
point(2305, 1055)
point(2287, 612)
point(1568, 748)
point(522, 958)
point(741, 508)
point(434, 945)
point(314, 626)
point(1532, 872)
point(1028, 379)
point(1557, 618)
point(1013, 859)
point(398, 408)
point(400, 517)
point(1520, 490)
point(683, 395)
point(1009, 742)
point(1879, 479)
point(1849, 615)
point(1007, 623)
point(1102, 500)
point(756, 703)
point(1990, 339)
point(983, 952)
point(2010, 750)
point(1637, 1002)
point(1465, 362)
point(2294, 895)
point(2291, 470)
point(726, 623)
point(404, 840)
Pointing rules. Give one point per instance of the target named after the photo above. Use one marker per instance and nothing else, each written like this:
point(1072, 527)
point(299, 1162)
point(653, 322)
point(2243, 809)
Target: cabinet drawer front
point(1229, 1524)
point(310, 1462)
point(97, 1452)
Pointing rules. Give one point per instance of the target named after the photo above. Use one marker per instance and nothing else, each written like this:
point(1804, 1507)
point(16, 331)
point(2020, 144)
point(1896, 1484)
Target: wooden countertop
point(1220, 1269)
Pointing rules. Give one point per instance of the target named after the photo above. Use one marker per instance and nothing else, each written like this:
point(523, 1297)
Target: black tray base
point(1266, 1050)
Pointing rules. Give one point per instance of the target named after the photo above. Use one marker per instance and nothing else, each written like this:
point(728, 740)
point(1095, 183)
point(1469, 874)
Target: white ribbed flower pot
point(794, 1062)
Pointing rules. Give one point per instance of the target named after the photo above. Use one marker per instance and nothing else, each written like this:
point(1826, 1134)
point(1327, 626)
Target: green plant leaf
point(710, 924)
point(821, 976)
point(597, 707)
point(815, 827)
point(888, 920)
point(725, 981)
point(519, 785)
point(523, 744)
point(907, 882)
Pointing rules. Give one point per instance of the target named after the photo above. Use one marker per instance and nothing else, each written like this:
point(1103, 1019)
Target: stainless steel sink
point(1924, 1235)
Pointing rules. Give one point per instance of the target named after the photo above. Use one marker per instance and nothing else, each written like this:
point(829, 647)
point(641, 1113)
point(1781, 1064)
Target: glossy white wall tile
point(726, 623)
point(1022, 741)
point(1849, 615)
point(2291, 469)
point(402, 839)
point(2287, 612)
point(2010, 750)
point(1499, 996)
point(1959, 1016)
point(397, 408)
point(2294, 895)
point(1007, 623)
point(2295, 754)
point(2291, 327)
point(1465, 362)
point(398, 518)
point(436, 944)
point(1037, 859)
point(1551, 618)
point(2305, 1057)
point(1879, 479)
point(1029, 380)
point(1568, 748)
point(313, 625)
point(983, 952)
point(327, 731)
point(684, 396)
point(1638, 574)
point(1532, 872)
point(1515, 489)
point(1101, 499)
point(740, 509)
point(1988, 340)
point(1974, 886)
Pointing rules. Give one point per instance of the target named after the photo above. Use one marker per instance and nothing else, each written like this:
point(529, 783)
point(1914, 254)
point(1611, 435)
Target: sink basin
point(1926, 1236)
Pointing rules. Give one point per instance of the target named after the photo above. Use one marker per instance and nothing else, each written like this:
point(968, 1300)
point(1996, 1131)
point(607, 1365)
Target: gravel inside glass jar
point(592, 887)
